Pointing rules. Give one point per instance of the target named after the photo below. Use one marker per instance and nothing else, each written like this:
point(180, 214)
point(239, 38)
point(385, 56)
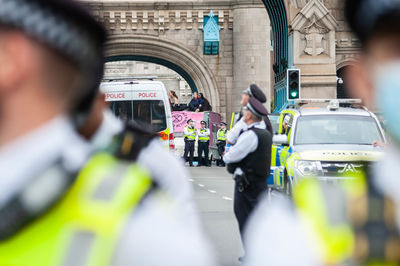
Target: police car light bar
point(348, 101)
point(131, 78)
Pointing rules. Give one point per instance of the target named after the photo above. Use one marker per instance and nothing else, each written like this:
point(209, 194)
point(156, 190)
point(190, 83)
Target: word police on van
point(143, 101)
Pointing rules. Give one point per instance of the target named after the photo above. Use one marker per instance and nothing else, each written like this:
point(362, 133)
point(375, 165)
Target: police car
point(328, 142)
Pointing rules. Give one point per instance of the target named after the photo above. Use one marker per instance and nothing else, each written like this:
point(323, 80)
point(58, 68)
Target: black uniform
point(203, 147)
point(256, 168)
point(189, 150)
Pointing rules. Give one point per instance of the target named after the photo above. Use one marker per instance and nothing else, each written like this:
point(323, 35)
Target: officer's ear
point(360, 83)
point(17, 60)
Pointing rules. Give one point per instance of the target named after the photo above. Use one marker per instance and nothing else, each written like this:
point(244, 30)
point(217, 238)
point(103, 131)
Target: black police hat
point(364, 15)
point(256, 92)
point(256, 107)
point(222, 124)
point(63, 25)
point(190, 120)
point(203, 122)
point(66, 27)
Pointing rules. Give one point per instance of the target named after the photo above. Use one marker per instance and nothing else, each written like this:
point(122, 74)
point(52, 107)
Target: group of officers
point(79, 187)
point(203, 143)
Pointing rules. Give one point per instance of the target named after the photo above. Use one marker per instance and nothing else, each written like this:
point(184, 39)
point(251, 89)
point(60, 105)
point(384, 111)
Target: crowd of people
point(198, 103)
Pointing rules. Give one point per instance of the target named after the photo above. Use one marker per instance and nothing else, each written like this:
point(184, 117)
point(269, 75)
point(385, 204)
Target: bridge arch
point(170, 54)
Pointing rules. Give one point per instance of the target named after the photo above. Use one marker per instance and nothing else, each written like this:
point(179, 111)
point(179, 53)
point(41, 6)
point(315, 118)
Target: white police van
point(144, 101)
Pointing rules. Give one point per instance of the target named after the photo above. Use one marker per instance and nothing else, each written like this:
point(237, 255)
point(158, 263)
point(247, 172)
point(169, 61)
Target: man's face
point(203, 125)
point(247, 116)
point(362, 75)
point(245, 99)
point(223, 127)
point(195, 95)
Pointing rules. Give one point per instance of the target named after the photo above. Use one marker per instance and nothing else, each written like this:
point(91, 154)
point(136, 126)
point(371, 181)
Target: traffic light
point(293, 84)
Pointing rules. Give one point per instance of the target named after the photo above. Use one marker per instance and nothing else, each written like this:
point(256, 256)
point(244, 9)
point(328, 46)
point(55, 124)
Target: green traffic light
point(293, 94)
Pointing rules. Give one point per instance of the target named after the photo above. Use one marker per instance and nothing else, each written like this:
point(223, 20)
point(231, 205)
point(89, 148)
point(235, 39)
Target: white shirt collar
point(255, 124)
point(386, 173)
point(30, 155)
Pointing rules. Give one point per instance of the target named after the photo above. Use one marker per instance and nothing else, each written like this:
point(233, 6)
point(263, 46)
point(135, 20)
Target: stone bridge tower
point(253, 37)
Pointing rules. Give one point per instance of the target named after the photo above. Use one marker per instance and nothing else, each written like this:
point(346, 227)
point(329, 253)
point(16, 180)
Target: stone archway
point(342, 91)
point(143, 46)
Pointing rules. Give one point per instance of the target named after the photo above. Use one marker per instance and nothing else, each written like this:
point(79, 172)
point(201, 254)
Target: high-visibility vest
point(84, 227)
point(192, 133)
point(206, 138)
point(221, 134)
point(340, 219)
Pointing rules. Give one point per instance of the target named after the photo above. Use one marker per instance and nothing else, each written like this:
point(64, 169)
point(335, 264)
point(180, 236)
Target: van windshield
point(148, 112)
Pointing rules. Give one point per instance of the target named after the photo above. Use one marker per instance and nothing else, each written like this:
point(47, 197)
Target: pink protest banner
point(180, 118)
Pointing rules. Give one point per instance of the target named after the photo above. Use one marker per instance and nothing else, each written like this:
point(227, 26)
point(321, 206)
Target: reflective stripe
point(192, 135)
point(232, 118)
point(79, 248)
point(79, 230)
point(334, 199)
point(110, 184)
point(221, 135)
point(204, 138)
point(336, 241)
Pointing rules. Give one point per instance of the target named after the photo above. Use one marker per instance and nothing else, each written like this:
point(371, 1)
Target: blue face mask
point(387, 84)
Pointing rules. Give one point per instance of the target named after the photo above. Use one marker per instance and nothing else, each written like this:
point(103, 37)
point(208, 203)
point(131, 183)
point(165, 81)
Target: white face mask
point(387, 84)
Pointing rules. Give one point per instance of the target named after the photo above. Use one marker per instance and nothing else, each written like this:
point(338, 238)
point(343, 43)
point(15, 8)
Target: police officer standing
point(190, 138)
point(203, 137)
point(221, 142)
point(356, 224)
point(249, 161)
point(253, 91)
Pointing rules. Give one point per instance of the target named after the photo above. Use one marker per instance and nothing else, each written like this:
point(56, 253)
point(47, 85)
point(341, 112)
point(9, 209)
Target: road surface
point(213, 188)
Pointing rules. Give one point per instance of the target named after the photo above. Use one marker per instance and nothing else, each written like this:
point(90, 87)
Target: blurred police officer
point(249, 161)
point(51, 55)
point(357, 224)
point(252, 92)
point(221, 142)
point(203, 137)
point(104, 130)
point(190, 138)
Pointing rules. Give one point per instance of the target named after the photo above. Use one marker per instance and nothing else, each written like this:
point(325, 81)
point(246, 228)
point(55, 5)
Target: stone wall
point(182, 24)
point(251, 46)
point(322, 43)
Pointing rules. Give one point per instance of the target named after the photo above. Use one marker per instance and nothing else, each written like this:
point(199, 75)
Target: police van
point(325, 142)
point(143, 101)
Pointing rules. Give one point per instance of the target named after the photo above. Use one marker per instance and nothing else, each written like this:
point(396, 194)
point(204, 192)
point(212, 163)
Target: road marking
point(212, 191)
point(200, 185)
point(226, 198)
point(191, 180)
